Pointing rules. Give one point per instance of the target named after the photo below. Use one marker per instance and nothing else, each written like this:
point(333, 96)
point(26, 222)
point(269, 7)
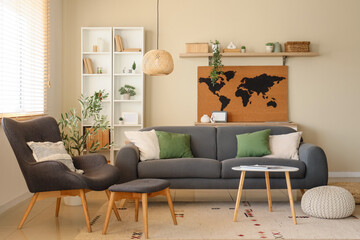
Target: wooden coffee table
point(266, 169)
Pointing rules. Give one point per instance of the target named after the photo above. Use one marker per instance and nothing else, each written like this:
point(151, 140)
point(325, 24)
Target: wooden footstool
point(139, 189)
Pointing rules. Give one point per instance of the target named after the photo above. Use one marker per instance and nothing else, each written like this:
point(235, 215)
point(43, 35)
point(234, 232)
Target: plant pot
point(133, 71)
point(243, 50)
point(215, 47)
point(126, 96)
point(269, 49)
point(121, 122)
point(72, 200)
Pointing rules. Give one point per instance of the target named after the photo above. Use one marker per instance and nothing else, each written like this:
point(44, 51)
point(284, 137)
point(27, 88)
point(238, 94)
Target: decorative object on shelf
point(247, 93)
point(157, 62)
point(231, 46)
point(269, 47)
point(121, 121)
point(205, 119)
point(130, 118)
point(132, 49)
point(118, 44)
point(127, 91)
point(236, 50)
point(277, 47)
point(95, 48)
point(243, 49)
point(215, 64)
point(133, 67)
point(70, 125)
point(219, 116)
point(297, 46)
point(100, 44)
point(197, 47)
point(124, 70)
point(99, 70)
point(88, 66)
point(215, 46)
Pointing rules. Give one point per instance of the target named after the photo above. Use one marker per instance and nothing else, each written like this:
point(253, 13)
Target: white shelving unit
point(132, 37)
point(113, 77)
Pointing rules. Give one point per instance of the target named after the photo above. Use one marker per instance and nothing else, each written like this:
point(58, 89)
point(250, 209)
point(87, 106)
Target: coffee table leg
point(288, 183)
point(267, 180)
point(238, 198)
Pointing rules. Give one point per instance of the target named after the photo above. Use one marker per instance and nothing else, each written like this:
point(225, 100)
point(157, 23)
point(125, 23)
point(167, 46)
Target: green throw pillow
point(254, 144)
point(174, 145)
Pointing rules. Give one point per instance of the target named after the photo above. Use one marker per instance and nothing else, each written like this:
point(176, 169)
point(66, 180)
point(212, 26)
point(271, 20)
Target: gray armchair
point(52, 178)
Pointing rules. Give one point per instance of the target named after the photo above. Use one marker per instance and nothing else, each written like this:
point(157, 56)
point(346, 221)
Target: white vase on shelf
point(126, 96)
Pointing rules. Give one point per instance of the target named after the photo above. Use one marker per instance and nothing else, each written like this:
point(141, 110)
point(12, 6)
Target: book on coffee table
point(259, 167)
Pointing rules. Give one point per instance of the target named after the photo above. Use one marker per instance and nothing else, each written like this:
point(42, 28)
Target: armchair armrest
point(316, 165)
point(126, 161)
point(89, 161)
point(52, 176)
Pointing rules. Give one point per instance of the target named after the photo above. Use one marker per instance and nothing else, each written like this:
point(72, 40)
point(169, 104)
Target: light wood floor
point(42, 224)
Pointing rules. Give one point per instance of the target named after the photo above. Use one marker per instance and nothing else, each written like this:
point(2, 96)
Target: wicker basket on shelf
point(297, 47)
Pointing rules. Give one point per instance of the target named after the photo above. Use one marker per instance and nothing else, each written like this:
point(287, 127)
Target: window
point(24, 57)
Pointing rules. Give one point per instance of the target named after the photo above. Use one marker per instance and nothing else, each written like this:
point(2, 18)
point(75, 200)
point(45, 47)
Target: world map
point(259, 86)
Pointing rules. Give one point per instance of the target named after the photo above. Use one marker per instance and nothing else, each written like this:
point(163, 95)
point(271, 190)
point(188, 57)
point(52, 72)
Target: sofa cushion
point(174, 145)
point(227, 172)
point(202, 139)
point(254, 144)
point(180, 168)
point(226, 138)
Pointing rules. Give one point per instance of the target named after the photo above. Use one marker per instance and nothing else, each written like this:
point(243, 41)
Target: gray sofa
point(214, 151)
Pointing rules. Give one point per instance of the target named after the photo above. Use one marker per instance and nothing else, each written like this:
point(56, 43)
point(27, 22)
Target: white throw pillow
point(285, 146)
point(45, 151)
point(147, 142)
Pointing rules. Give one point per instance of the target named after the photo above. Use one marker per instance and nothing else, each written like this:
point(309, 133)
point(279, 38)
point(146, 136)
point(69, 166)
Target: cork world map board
point(247, 93)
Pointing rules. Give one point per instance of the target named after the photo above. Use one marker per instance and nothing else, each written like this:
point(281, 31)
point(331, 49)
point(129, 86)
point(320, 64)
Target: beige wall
point(323, 91)
point(12, 184)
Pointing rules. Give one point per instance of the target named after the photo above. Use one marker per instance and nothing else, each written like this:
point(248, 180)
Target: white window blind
point(24, 57)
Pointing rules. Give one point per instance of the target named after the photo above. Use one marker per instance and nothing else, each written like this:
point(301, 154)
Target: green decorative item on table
point(134, 66)
point(70, 124)
point(215, 63)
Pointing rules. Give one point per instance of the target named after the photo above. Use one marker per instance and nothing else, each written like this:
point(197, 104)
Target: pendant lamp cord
point(157, 25)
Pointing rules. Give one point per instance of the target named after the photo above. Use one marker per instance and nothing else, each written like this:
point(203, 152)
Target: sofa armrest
point(127, 161)
point(316, 165)
point(89, 161)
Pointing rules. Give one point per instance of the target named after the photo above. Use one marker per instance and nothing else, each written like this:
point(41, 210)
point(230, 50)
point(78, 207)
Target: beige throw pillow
point(45, 151)
point(285, 146)
point(147, 142)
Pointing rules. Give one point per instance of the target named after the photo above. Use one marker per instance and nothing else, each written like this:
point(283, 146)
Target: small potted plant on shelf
point(133, 67)
point(215, 63)
point(121, 121)
point(127, 91)
point(269, 47)
point(215, 46)
point(243, 49)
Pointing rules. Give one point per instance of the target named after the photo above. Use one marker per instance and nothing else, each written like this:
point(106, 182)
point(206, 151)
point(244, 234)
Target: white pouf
point(328, 202)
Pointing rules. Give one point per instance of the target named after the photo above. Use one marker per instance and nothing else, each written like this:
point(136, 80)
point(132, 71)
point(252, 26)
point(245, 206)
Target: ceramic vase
point(126, 96)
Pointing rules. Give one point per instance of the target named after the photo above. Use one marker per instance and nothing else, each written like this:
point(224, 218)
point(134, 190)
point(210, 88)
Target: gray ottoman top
point(146, 185)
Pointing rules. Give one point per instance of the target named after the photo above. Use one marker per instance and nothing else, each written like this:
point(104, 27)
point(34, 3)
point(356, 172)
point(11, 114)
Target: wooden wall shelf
point(283, 124)
point(252, 54)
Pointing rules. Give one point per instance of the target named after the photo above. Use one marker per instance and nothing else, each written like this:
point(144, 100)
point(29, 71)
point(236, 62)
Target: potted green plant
point(269, 47)
point(215, 63)
point(243, 49)
point(127, 91)
point(70, 125)
point(121, 121)
point(133, 67)
point(215, 46)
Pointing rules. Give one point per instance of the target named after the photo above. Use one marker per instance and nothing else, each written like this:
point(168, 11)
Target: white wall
point(12, 184)
point(323, 90)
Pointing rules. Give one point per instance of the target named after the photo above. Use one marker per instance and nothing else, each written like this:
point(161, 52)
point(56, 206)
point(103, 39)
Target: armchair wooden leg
point(145, 214)
point(58, 201)
point(302, 191)
point(171, 206)
point(108, 212)
point(85, 208)
point(136, 209)
point(31, 204)
point(113, 206)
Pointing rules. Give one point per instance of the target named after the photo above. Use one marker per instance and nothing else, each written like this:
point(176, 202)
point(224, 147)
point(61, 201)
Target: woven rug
point(352, 187)
point(213, 220)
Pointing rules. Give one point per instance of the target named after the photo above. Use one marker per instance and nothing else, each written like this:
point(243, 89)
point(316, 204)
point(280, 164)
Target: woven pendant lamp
point(157, 62)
